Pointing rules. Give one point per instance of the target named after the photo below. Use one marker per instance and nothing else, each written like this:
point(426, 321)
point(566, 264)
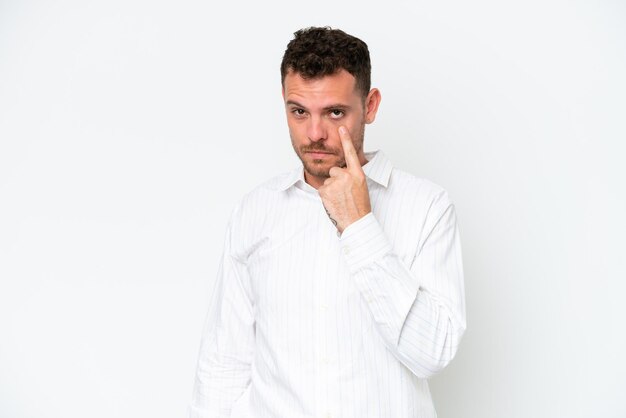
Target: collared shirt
point(306, 323)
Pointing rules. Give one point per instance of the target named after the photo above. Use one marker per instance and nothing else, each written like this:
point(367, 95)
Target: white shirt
point(306, 323)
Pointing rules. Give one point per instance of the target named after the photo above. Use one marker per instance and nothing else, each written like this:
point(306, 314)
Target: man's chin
point(318, 168)
point(321, 167)
point(317, 172)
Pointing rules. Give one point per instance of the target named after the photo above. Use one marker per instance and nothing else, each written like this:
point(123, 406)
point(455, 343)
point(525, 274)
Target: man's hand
point(344, 194)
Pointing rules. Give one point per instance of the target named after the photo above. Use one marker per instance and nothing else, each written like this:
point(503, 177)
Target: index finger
point(352, 160)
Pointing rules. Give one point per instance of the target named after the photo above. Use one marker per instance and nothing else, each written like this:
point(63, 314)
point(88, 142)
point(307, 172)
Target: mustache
point(318, 147)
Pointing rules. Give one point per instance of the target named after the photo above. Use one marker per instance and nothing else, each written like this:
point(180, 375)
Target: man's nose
point(316, 131)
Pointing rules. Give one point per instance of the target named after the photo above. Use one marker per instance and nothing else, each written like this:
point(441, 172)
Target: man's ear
point(372, 101)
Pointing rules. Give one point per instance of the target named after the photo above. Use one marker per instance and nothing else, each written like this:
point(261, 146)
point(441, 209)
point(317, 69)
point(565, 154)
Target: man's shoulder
point(269, 186)
point(399, 184)
point(407, 183)
point(265, 194)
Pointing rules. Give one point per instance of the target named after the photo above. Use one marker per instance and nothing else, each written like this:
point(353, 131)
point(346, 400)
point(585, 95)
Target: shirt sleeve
point(227, 347)
point(418, 309)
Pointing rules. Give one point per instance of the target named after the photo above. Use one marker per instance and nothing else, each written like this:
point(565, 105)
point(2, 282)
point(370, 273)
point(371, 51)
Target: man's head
point(326, 84)
point(318, 52)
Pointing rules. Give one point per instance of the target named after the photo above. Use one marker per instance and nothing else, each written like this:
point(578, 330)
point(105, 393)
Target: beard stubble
point(316, 167)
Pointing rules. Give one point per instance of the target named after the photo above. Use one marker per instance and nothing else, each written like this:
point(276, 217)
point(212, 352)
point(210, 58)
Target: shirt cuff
point(363, 242)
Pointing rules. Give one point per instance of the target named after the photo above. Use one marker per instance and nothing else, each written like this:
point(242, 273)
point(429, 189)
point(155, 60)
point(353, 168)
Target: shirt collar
point(378, 169)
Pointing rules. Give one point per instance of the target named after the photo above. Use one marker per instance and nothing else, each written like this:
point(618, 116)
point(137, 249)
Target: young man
point(340, 290)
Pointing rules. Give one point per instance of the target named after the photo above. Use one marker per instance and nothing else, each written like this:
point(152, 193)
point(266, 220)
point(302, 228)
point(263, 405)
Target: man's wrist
point(352, 221)
point(364, 241)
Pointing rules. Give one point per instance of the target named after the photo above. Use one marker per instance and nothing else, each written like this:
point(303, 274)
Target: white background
point(128, 130)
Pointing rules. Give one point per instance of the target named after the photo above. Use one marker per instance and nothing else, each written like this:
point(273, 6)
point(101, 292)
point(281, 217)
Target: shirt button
point(346, 250)
point(324, 307)
point(325, 360)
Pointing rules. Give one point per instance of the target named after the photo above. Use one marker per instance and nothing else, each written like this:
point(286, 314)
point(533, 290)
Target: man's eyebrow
point(339, 106)
point(294, 103)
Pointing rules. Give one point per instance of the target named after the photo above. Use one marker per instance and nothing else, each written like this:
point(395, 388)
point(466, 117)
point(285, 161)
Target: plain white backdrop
point(129, 129)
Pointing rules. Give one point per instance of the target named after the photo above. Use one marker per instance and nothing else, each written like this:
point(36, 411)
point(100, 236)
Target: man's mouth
point(317, 151)
point(318, 154)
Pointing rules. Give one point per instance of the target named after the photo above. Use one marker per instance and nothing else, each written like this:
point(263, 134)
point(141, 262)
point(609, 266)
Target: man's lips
point(318, 154)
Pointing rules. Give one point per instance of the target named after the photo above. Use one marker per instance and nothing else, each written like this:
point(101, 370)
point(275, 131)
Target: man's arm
point(226, 351)
point(419, 310)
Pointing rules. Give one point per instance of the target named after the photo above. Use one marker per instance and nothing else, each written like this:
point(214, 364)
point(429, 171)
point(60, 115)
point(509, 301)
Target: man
point(341, 289)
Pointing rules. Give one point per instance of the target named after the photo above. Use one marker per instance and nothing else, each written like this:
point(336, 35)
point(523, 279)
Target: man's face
point(316, 108)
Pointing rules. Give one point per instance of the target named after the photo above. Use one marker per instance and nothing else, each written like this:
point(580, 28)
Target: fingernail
point(342, 130)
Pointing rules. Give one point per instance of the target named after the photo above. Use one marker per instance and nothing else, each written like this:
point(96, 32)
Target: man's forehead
point(340, 83)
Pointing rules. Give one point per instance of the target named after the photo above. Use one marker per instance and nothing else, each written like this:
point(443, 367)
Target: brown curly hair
point(320, 51)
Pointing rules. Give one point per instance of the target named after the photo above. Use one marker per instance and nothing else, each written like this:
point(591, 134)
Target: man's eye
point(298, 112)
point(336, 113)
